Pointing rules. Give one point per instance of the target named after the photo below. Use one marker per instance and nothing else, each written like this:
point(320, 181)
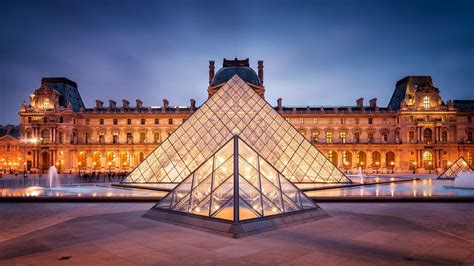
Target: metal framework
point(238, 189)
point(236, 109)
point(460, 165)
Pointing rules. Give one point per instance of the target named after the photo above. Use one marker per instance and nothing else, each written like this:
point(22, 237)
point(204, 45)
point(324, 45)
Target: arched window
point(332, 156)
point(376, 159)
point(426, 102)
point(390, 158)
point(347, 158)
point(361, 159)
point(428, 159)
point(81, 160)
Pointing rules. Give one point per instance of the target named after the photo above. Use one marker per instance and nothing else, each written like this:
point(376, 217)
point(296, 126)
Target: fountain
point(361, 176)
point(464, 180)
point(53, 177)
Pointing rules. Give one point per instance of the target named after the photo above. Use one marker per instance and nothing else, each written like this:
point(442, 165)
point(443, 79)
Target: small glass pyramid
point(236, 109)
point(236, 184)
point(460, 165)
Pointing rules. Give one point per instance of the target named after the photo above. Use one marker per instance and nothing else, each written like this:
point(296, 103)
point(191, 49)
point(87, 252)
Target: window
point(88, 138)
point(370, 138)
point(142, 121)
point(129, 121)
point(329, 137)
point(45, 120)
point(115, 138)
point(315, 136)
point(343, 121)
point(142, 137)
point(302, 132)
point(101, 138)
point(329, 120)
point(115, 121)
point(45, 136)
point(301, 120)
point(315, 120)
point(170, 121)
point(426, 102)
point(29, 119)
point(357, 120)
point(157, 121)
point(384, 121)
point(61, 119)
point(129, 138)
point(330, 156)
point(101, 121)
point(469, 119)
point(384, 137)
point(156, 137)
point(412, 136)
point(46, 103)
point(357, 137)
point(370, 120)
point(469, 157)
point(60, 137)
point(410, 119)
point(428, 136)
point(342, 137)
point(444, 137)
point(469, 137)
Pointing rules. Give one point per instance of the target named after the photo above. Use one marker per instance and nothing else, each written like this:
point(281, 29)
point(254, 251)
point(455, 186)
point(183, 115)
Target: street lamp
point(377, 167)
point(429, 167)
point(346, 164)
point(392, 164)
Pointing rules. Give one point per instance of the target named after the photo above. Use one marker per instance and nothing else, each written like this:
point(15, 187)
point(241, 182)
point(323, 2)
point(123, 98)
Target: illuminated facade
point(416, 131)
point(10, 156)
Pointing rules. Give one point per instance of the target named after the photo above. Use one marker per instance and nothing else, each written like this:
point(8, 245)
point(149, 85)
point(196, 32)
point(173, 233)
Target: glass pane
point(249, 173)
point(251, 195)
point(245, 212)
point(223, 172)
point(226, 212)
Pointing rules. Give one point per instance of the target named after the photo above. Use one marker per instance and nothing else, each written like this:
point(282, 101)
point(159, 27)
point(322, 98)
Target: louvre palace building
point(417, 132)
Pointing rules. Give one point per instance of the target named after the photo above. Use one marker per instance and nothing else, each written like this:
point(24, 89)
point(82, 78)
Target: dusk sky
point(315, 53)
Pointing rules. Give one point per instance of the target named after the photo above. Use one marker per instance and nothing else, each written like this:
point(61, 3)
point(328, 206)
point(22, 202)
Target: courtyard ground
point(355, 234)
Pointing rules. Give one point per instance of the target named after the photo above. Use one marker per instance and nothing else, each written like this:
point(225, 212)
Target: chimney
point(373, 103)
point(360, 102)
point(125, 103)
point(166, 103)
point(99, 104)
point(139, 103)
point(193, 105)
point(112, 104)
point(260, 71)
point(280, 107)
point(211, 70)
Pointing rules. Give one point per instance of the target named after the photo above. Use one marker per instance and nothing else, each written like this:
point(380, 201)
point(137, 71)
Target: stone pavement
point(355, 234)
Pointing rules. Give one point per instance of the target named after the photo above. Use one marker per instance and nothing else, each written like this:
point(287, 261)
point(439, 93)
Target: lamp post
point(429, 167)
point(346, 165)
point(377, 167)
point(414, 167)
point(392, 164)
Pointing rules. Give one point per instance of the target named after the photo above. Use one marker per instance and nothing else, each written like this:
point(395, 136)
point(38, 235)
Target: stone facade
point(418, 131)
point(10, 156)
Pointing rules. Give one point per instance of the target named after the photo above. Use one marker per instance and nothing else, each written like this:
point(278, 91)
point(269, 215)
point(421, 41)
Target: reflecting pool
point(79, 191)
point(414, 188)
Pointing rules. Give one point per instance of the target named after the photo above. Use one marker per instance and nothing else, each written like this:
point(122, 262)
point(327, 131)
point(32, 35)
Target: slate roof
point(67, 90)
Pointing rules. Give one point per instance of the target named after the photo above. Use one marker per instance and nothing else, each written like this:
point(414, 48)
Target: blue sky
point(315, 52)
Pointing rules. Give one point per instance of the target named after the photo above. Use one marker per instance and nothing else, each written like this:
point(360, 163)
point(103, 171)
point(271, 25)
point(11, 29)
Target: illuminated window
point(342, 137)
point(329, 137)
point(343, 121)
point(46, 103)
point(357, 137)
point(301, 120)
point(142, 121)
point(427, 156)
point(142, 137)
point(101, 138)
point(444, 136)
point(115, 121)
point(315, 136)
point(115, 138)
point(412, 136)
point(157, 121)
point(426, 102)
point(469, 157)
point(315, 120)
point(330, 156)
point(156, 137)
point(129, 138)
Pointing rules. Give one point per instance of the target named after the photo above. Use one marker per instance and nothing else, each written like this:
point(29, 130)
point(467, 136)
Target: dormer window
point(426, 102)
point(46, 103)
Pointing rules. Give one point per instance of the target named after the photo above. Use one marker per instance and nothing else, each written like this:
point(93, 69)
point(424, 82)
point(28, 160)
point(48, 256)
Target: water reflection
point(79, 191)
point(415, 188)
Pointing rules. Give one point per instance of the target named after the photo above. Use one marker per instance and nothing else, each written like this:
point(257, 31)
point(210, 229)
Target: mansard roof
point(10, 130)
point(67, 90)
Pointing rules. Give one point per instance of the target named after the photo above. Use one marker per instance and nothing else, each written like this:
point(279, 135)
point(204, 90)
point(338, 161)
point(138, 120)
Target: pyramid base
point(236, 230)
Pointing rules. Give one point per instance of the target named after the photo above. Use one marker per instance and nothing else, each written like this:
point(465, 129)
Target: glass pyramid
point(460, 165)
point(236, 184)
point(236, 109)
